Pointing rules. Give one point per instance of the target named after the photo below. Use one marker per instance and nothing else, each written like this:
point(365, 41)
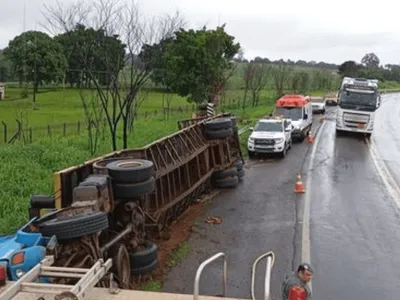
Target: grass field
point(27, 169)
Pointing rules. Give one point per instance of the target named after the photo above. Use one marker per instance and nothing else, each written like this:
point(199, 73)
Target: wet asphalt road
point(259, 216)
point(354, 222)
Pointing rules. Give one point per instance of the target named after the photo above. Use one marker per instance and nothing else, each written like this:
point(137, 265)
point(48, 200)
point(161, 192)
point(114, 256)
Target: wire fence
point(11, 132)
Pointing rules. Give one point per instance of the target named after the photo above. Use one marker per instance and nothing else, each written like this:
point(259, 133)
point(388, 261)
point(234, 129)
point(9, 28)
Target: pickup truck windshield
point(358, 100)
point(294, 113)
point(268, 126)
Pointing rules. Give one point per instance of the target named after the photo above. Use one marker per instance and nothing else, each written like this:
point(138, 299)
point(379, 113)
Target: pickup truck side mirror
point(251, 128)
point(305, 117)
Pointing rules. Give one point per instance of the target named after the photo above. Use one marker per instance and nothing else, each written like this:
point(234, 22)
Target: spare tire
point(100, 167)
point(75, 226)
point(131, 170)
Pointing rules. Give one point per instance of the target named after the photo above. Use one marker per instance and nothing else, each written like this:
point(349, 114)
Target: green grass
point(152, 286)
point(179, 254)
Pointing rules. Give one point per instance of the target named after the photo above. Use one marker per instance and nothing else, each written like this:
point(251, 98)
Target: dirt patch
point(171, 240)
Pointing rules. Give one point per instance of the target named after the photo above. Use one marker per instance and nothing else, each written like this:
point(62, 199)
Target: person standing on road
point(300, 278)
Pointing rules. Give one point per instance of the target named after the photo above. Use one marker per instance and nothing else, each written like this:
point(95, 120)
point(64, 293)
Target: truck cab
point(358, 100)
point(299, 110)
point(270, 136)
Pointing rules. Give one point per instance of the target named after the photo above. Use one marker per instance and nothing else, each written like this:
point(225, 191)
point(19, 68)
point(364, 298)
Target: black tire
point(339, 132)
point(76, 226)
point(368, 135)
point(225, 173)
point(283, 153)
point(131, 170)
point(323, 111)
point(239, 165)
point(42, 201)
point(227, 182)
point(145, 269)
point(219, 123)
point(241, 174)
point(121, 266)
point(133, 190)
point(145, 257)
point(100, 167)
point(219, 134)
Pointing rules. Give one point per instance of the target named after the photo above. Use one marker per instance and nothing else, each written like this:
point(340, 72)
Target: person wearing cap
point(300, 278)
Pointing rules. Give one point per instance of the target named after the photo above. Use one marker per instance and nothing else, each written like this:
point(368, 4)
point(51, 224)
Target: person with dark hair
point(298, 279)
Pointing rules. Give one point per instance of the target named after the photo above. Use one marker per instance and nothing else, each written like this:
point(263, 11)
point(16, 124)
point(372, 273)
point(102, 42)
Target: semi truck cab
point(358, 101)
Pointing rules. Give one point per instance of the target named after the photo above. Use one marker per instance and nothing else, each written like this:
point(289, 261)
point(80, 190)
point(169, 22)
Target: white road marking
point(385, 175)
point(305, 236)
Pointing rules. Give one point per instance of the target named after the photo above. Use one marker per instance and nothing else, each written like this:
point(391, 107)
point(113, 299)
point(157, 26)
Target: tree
point(94, 47)
point(281, 76)
point(349, 68)
point(115, 20)
point(36, 58)
point(370, 60)
point(256, 78)
point(196, 64)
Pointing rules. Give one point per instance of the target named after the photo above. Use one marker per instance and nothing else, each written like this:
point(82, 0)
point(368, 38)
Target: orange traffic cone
point(310, 138)
point(299, 187)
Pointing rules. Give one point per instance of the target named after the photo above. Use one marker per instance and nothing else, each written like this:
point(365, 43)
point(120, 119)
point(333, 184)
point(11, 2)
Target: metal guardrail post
point(200, 270)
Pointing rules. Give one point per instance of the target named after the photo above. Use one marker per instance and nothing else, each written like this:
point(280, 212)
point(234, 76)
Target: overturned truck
point(111, 206)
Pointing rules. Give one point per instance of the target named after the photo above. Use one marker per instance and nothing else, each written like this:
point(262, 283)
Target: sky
point(316, 30)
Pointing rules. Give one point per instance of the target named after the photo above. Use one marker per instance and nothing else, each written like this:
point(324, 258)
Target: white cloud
point(309, 29)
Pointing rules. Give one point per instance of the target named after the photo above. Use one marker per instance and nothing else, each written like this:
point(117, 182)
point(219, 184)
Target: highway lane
point(258, 216)
point(354, 222)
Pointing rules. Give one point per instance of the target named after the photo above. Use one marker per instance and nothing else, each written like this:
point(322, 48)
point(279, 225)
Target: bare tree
point(94, 117)
point(256, 78)
point(281, 76)
point(119, 99)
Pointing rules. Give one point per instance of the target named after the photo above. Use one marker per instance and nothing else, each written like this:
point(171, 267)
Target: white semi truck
point(358, 100)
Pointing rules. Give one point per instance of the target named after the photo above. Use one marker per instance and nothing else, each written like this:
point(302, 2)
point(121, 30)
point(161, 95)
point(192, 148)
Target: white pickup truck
point(270, 136)
point(318, 104)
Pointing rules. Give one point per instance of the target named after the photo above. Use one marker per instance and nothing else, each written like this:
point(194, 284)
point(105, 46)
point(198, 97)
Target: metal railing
point(200, 270)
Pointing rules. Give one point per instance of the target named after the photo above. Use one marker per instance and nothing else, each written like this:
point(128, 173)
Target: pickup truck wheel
point(133, 190)
point(145, 269)
point(131, 170)
point(283, 153)
point(228, 182)
point(218, 134)
point(144, 257)
point(323, 111)
point(368, 135)
point(251, 154)
point(219, 123)
point(76, 226)
point(121, 266)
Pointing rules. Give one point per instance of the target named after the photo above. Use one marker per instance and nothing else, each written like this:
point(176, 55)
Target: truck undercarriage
point(115, 206)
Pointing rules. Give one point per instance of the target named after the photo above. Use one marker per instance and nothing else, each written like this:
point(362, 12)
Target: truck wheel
point(241, 174)
point(121, 266)
point(144, 257)
point(283, 153)
point(225, 173)
point(145, 269)
point(131, 170)
point(323, 111)
point(133, 190)
point(76, 226)
point(239, 165)
point(368, 135)
point(100, 167)
point(220, 123)
point(218, 134)
point(227, 182)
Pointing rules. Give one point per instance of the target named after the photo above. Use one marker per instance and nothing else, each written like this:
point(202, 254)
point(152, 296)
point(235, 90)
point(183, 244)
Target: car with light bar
point(271, 135)
point(359, 99)
point(298, 109)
